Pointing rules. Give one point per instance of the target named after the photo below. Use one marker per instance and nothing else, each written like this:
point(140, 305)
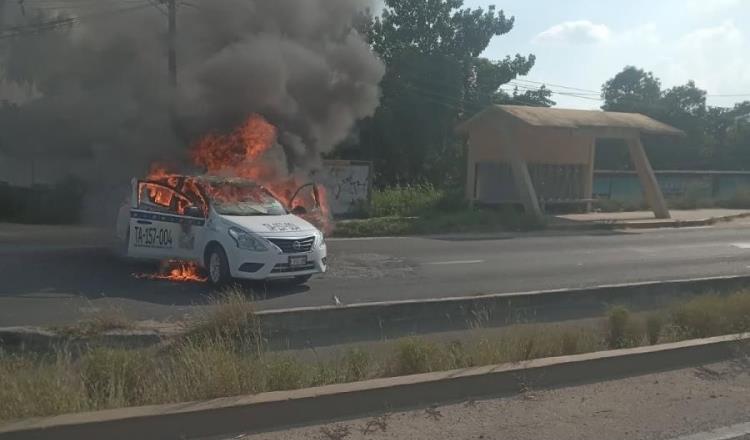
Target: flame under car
point(232, 228)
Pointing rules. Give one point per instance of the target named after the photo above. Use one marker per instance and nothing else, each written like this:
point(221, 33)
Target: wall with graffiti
point(348, 184)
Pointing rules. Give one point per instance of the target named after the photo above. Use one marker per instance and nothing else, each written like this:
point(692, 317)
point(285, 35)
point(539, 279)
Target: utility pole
point(172, 41)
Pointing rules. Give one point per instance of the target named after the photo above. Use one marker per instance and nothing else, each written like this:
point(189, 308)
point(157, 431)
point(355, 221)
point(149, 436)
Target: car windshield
point(242, 198)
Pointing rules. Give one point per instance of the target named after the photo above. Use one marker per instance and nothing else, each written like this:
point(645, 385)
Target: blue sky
point(582, 43)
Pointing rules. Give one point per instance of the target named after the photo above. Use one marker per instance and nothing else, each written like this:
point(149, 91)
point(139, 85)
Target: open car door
point(307, 202)
point(164, 223)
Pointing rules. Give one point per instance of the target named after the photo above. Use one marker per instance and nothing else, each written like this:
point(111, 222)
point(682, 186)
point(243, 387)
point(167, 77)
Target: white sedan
point(233, 228)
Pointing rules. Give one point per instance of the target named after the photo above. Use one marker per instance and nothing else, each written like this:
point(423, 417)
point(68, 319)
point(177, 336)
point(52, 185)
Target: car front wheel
point(218, 267)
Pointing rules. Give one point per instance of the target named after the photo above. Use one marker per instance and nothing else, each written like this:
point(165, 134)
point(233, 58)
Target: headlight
point(320, 239)
point(247, 241)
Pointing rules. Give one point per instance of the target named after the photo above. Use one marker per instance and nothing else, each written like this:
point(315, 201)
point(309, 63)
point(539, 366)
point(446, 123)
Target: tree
point(541, 97)
point(713, 137)
point(684, 100)
point(435, 77)
point(631, 90)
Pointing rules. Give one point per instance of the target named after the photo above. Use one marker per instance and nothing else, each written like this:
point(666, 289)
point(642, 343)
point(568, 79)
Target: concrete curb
point(43, 340)
point(333, 325)
point(277, 410)
point(569, 227)
point(330, 325)
point(647, 224)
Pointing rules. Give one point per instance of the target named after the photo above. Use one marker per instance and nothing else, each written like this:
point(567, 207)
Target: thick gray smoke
point(101, 88)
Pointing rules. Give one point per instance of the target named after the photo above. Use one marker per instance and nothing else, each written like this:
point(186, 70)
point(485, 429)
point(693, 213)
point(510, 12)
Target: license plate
point(158, 238)
point(298, 261)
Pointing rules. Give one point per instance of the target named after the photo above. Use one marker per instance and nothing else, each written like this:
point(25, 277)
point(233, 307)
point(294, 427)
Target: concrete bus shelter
point(540, 156)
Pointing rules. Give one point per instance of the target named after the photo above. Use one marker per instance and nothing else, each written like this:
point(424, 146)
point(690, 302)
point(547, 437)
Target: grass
point(223, 354)
point(230, 320)
point(712, 315)
point(438, 222)
point(409, 200)
point(425, 209)
point(96, 323)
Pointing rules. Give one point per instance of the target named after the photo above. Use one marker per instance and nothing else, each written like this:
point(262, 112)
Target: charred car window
point(242, 199)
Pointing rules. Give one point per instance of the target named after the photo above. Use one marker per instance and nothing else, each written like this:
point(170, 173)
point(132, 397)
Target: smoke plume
point(101, 88)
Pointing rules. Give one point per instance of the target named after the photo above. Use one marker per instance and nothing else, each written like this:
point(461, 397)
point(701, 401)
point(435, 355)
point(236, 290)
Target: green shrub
point(356, 365)
point(700, 317)
point(284, 373)
point(622, 330)
point(196, 370)
point(405, 201)
point(438, 222)
point(458, 356)
point(569, 342)
point(713, 315)
point(35, 387)
point(654, 326)
point(230, 319)
point(115, 378)
point(414, 356)
point(737, 312)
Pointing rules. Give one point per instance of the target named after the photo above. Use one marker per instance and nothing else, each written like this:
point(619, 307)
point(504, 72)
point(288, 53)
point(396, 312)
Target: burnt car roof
point(208, 179)
point(221, 179)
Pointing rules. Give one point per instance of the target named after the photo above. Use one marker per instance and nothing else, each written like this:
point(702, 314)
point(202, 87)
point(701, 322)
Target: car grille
point(285, 268)
point(288, 246)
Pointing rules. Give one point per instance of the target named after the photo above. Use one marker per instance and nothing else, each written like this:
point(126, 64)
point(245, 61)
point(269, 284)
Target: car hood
point(272, 226)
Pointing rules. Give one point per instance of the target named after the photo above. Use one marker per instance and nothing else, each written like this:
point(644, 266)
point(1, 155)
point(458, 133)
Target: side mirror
point(193, 211)
point(299, 210)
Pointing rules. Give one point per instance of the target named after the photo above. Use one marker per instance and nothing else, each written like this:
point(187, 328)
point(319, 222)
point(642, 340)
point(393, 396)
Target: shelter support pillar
point(523, 182)
point(588, 178)
point(471, 175)
point(651, 189)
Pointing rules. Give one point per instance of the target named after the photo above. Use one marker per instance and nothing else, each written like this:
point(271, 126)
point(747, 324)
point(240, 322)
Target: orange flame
point(180, 271)
point(239, 153)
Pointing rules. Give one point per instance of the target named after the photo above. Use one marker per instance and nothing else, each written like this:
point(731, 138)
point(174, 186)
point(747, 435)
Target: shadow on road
point(96, 273)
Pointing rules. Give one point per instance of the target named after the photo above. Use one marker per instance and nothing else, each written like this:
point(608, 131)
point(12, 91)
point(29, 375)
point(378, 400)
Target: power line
point(558, 85)
point(456, 103)
point(51, 5)
point(554, 92)
point(738, 95)
point(17, 31)
point(598, 93)
point(527, 87)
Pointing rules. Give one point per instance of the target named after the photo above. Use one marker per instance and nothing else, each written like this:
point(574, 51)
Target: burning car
point(234, 228)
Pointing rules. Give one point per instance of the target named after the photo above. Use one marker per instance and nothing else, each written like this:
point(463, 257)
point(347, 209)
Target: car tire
point(299, 280)
point(217, 267)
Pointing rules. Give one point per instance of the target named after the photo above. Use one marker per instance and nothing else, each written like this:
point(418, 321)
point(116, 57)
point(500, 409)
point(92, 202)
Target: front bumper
point(271, 265)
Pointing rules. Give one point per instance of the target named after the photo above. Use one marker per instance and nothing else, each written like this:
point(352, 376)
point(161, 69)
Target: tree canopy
point(716, 137)
point(435, 77)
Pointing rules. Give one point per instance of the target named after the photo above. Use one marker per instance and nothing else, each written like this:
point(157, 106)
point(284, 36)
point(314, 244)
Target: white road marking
point(741, 245)
point(724, 433)
point(361, 238)
point(445, 263)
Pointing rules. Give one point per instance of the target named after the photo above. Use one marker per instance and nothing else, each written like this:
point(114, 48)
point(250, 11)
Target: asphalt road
point(52, 276)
